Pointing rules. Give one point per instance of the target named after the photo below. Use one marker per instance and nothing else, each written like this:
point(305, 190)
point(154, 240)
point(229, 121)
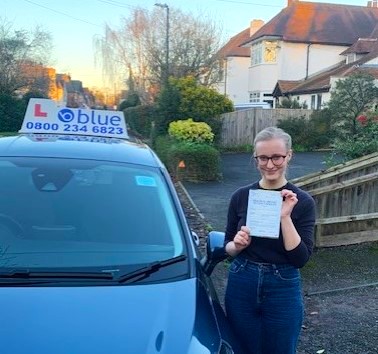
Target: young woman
point(263, 299)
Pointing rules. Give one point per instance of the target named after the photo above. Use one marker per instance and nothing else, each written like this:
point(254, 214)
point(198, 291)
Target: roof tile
point(310, 22)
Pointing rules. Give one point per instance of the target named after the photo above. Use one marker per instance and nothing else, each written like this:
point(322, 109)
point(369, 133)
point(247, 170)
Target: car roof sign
point(44, 116)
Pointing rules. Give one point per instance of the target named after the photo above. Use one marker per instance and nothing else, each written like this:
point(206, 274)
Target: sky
point(73, 24)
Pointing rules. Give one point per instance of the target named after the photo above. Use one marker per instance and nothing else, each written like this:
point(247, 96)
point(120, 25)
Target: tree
point(132, 98)
point(21, 52)
point(140, 44)
point(352, 96)
point(185, 98)
point(12, 111)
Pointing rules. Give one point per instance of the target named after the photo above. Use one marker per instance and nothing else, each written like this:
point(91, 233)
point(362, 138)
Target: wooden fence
point(346, 198)
point(240, 128)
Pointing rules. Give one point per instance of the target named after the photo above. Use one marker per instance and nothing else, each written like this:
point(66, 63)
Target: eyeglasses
point(277, 160)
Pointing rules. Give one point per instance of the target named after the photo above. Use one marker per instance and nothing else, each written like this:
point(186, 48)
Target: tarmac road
point(211, 198)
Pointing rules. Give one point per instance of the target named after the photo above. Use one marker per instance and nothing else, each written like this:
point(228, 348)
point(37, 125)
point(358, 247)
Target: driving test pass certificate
point(264, 213)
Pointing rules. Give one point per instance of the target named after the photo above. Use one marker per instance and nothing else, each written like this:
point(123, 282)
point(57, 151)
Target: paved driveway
point(211, 198)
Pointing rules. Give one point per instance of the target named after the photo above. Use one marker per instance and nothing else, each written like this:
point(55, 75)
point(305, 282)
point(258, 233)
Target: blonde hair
point(273, 133)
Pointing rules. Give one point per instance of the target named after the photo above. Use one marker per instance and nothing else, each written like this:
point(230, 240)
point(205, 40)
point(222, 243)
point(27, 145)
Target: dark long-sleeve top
point(268, 250)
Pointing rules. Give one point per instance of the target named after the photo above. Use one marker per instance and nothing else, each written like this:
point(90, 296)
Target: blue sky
point(74, 23)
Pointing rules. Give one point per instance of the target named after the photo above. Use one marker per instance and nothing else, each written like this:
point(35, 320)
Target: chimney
point(290, 2)
point(373, 3)
point(254, 26)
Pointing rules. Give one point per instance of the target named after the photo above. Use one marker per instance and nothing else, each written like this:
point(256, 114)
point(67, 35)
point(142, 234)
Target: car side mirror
point(215, 251)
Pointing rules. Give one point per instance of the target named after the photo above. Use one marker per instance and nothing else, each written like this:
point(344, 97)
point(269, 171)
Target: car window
point(81, 213)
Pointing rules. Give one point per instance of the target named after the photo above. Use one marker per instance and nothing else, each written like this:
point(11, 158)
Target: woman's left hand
point(289, 201)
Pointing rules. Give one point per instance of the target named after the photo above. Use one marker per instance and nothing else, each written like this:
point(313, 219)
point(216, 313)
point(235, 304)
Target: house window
point(256, 54)
point(270, 48)
point(264, 52)
point(313, 101)
point(319, 102)
point(254, 97)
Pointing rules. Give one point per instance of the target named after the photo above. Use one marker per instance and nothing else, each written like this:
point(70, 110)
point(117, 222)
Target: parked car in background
point(96, 255)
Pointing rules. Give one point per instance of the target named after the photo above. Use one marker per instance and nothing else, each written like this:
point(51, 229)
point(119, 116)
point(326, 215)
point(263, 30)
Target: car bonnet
point(156, 318)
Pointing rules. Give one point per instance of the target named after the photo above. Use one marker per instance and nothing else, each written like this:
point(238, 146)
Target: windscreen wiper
point(146, 271)
point(26, 274)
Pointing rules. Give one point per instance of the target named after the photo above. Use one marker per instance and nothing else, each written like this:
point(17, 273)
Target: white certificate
point(264, 213)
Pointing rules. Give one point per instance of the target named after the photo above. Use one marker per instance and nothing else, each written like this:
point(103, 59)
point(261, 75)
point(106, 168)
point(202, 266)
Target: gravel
point(340, 292)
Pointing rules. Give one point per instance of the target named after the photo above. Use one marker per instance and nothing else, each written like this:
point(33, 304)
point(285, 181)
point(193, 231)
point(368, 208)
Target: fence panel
point(346, 198)
point(240, 127)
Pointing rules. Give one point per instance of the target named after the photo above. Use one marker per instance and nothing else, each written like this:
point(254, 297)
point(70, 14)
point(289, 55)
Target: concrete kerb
point(191, 200)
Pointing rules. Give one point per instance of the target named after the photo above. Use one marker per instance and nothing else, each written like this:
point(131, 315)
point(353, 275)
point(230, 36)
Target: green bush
point(296, 127)
point(189, 131)
point(364, 142)
point(320, 131)
point(202, 161)
point(185, 97)
point(12, 112)
point(237, 148)
point(287, 102)
point(139, 119)
point(307, 135)
point(162, 146)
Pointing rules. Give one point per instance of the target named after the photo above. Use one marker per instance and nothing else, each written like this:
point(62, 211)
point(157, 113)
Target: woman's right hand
point(242, 239)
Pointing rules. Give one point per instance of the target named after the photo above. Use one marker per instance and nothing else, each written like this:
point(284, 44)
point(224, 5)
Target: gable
point(232, 47)
point(321, 23)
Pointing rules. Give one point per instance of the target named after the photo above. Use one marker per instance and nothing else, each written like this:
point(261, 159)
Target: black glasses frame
point(271, 158)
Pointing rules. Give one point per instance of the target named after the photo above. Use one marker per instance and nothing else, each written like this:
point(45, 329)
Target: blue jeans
point(264, 305)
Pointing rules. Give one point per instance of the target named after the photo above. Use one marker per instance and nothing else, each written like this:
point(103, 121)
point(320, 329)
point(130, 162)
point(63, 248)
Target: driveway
point(211, 198)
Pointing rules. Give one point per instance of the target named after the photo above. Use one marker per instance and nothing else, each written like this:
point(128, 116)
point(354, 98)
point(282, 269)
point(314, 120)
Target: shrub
point(12, 112)
point(364, 142)
point(139, 119)
point(202, 161)
point(311, 134)
point(287, 102)
point(185, 97)
point(296, 127)
point(189, 131)
point(248, 148)
point(162, 146)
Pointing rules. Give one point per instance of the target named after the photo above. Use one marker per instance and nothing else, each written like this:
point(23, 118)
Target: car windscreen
point(64, 213)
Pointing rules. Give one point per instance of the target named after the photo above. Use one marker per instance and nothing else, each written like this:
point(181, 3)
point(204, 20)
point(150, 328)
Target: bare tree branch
point(139, 45)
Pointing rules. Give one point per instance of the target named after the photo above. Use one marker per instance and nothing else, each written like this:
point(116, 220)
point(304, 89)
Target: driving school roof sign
point(43, 116)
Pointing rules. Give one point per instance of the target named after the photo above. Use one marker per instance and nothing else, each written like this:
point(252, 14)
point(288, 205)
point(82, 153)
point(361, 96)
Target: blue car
point(96, 255)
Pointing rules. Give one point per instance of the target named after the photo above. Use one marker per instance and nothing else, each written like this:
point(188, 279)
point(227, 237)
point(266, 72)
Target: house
point(315, 91)
point(306, 39)
point(235, 61)
point(39, 78)
point(75, 94)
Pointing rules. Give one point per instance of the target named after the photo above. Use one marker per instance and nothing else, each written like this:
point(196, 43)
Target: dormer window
point(350, 58)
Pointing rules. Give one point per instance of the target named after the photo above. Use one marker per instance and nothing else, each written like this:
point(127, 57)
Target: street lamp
point(166, 73)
